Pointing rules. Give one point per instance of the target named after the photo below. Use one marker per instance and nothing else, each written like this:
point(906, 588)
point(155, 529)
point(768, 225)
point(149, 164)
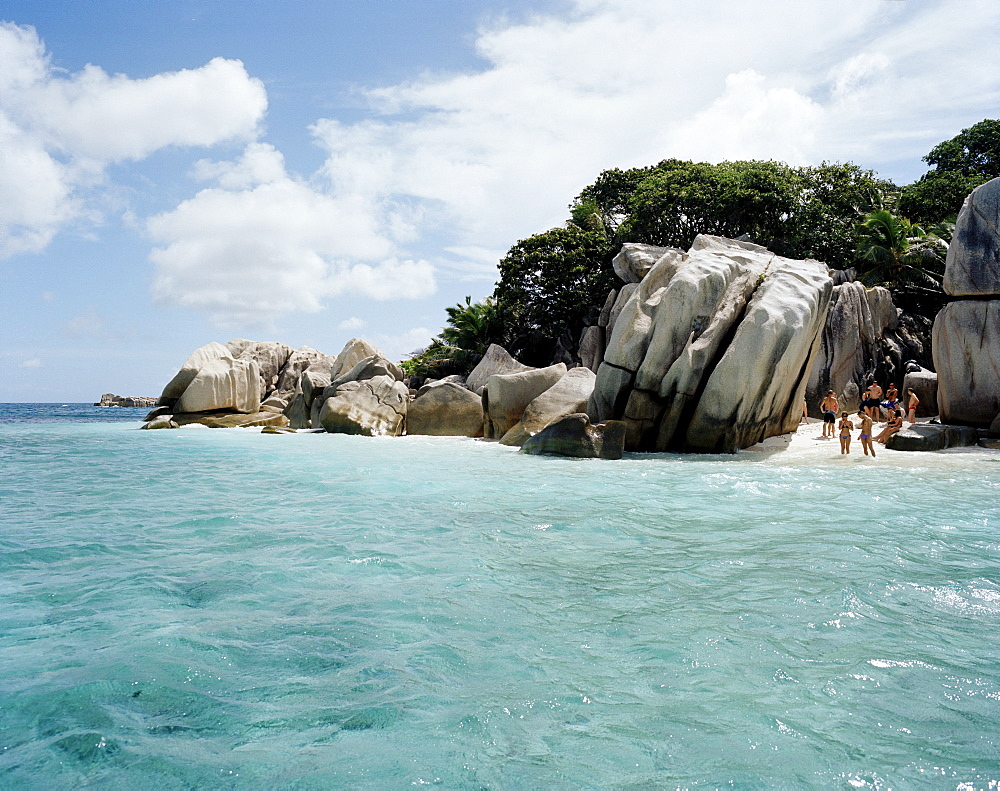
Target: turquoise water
point(216, 609)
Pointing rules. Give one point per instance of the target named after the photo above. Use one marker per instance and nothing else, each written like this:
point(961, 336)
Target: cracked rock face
point(374, 407)
point(713, 348)
point(966, 341)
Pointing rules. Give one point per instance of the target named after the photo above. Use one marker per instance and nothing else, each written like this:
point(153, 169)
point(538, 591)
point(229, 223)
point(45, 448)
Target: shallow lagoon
point(203, 608)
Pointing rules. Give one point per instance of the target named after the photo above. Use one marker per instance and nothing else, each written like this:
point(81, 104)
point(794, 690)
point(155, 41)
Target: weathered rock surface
point(624, 295)
point(270, 357)
point(161, 421)
point(924, 384)
point(248, 421)
point(973, 264)
point(989, 444)
point(967, 359)
point(925, 436)
point(367, 368)
point(298, 413)
point(354, 351)
point(575, 436)
point(199, 358)
point(223, 383)
point(373, 407)
point(299, 360)
point(445, 409)
point(861, 342)
point(495, 361)
point(591, 348)
point(453, 379)
point(713, 349)
point(566, 397)
point(509, 394)
point(634, 260)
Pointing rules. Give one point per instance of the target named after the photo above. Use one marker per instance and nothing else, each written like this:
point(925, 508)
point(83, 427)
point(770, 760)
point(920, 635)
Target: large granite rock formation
point(861, 342)
point(566, 397)
point(967, 356)
point(373, 407)
point(507, 396)
point(967, 331)
point(222, 383)
point(575, 436)
point(270, 357)
point(497, 360)
point(445, 409)
point(713, 349)
point(199, 357)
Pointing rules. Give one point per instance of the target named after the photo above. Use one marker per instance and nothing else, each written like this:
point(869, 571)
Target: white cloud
point(248, 255)
point(34, 362)
point(397, 347)
point(495, 155)
point(58, 131)
point(351, 324)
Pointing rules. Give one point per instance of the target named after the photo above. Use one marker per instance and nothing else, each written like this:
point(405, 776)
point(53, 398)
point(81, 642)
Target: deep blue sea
point(224, 609)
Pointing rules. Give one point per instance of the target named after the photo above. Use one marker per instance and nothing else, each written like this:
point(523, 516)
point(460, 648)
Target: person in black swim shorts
point(828, 406)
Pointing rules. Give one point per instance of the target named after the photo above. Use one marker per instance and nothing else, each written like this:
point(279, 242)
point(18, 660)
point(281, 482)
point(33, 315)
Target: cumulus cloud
point(351, 324)
point(271, 244)
point(495, 155)
point(59, 131)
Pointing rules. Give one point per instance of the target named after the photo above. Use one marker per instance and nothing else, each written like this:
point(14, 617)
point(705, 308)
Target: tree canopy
point(958, 165)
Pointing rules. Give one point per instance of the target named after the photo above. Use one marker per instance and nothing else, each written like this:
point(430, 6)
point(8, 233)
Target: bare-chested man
point(912, 402)
point(872, 400)
point(829, 406)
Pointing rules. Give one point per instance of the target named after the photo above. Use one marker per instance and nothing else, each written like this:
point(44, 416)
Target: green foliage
point(548, 285)
point(959, 165)
point(472, 327)
point(809, 212)
point(903, 257)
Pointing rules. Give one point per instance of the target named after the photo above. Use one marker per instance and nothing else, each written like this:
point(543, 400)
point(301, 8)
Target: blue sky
point(177, 172)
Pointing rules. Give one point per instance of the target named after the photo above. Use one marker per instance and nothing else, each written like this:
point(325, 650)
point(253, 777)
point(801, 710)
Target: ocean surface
point(224, 609)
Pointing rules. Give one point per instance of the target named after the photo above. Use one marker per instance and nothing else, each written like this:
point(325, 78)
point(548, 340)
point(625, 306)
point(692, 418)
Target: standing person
point(866, 433)
point(891, 396)
point(846, 427)
point(912, 402)
point(829, 406)
point(872, 400)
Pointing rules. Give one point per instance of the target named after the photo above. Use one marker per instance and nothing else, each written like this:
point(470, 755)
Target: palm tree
point(473, 326)
point(902, 256)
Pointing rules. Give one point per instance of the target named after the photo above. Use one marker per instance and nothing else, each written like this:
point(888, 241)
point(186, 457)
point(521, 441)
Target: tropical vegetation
point(553, 284)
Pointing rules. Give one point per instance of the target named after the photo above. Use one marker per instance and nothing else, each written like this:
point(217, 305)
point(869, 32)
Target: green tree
point(472, 327)
point(903, 257)
point(548, 285)
point(958, 165)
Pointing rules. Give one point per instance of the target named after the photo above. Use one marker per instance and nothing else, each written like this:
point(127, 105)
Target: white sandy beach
point(807, 446)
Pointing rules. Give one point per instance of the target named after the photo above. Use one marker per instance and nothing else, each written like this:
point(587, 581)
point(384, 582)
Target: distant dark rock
point(110, 399)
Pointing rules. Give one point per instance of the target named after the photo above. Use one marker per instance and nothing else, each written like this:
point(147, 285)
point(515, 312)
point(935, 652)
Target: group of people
point(869, 413)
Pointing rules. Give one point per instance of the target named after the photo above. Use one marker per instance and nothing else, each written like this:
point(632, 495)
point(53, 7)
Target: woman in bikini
point(846, 427)
point(866, 433)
